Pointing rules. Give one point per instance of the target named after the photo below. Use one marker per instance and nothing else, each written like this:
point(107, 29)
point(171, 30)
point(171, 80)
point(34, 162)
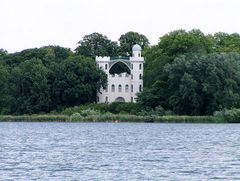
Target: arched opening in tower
point(119, 68)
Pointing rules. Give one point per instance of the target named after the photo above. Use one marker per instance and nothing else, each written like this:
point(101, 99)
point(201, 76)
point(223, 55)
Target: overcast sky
point(35, 23)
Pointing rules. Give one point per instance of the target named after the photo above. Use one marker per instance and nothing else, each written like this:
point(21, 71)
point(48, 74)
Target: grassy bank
point(113, 118)
point(35, 118)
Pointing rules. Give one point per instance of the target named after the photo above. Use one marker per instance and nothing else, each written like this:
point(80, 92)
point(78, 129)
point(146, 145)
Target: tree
point(76, 82)
point(155, 61)
point(30, 88)
point(96, 44)
point(4, 90)
point(127, 41)
point(224, 42)
point(198, 84)
point(3, 52)
point(180, 42)
point(47, 54)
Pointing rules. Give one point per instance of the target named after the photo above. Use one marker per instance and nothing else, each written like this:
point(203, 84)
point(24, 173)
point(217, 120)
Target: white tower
point(122, 87)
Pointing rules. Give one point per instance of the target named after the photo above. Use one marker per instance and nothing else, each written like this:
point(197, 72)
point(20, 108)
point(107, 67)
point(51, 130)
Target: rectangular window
point(106, 90)
point(113, 88)
point(131, 88)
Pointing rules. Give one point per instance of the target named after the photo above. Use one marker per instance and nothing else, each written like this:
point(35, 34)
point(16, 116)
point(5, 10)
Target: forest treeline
point(187, 72)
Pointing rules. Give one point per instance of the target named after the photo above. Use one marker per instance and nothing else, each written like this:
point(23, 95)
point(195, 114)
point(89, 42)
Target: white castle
point(122, 87)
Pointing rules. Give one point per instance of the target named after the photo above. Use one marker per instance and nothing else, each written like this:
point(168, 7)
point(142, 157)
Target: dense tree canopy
point(127, 41)
point(30, 89)
point(4, 88)
point(76, 81)
point(196, 84)
point(224, 42)
point(187, 72)
point(48, 78)
point(181, 42)
point(96, 44)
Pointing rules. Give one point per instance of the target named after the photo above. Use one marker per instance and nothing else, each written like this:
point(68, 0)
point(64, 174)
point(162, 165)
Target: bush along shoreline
point(123, 113)
point(108, 117)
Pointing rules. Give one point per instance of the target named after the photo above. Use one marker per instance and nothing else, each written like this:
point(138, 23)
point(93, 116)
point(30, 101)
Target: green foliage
point(170, 46)
point(46, 54)
point(46, 79)
point(114, 118)
point(75, 117)
point(115, 108)
point(155, 61)
point(30, 89)
point(229, 115)
point(224, 42)
point(76, 81)
point(102, 108)
point(35, 118)
point(181, 42)
point(4, 89)
point(197, 84)
point(187, 72)
point(121, 107)
point(96, 44)
point(89, 112)
point(127, 41)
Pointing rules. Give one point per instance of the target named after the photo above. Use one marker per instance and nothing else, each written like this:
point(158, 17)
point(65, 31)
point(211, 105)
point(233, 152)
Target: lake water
point(123, 151)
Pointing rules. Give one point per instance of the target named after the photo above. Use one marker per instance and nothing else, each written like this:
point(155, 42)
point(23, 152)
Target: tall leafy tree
point(198, 84)
point(181, 42)
point(155, 61)
point(76, 81)
point(96, 44)
point(224, 42)
point(4, 89)
point(128, 39)
point(47, 54)
point(30, 88)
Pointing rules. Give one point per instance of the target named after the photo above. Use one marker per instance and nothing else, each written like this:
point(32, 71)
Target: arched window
point(131, 88)
point(140, 88)
point(106, 66)
point(119, 88)
point(106, 99)
point(113, 88)
point(131, 66)
point(140, 66)
point(126, 88)
point(131, 76)
point(140, 76)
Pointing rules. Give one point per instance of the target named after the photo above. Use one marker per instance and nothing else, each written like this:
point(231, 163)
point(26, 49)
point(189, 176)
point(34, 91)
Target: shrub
point(229, 115)
point(75, 117)
point(89, 112)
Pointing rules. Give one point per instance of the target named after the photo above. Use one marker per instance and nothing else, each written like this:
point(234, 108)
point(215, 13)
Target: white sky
point(35, 23)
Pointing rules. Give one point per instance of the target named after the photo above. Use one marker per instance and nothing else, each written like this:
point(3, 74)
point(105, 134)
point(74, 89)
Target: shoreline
point(113, 118)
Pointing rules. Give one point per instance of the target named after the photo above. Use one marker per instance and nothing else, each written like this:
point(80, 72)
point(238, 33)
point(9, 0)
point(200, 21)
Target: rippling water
point(108, 151)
